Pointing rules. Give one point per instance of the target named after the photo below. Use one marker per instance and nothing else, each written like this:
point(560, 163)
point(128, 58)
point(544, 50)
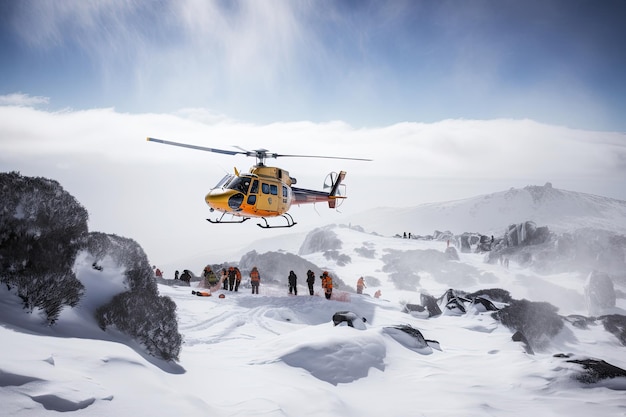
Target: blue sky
point(367, 63)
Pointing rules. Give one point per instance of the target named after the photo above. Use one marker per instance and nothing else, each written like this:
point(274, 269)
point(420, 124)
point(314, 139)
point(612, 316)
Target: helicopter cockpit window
point(273, 189)
point(255, 187)
point(240, 184)
point(224, 181)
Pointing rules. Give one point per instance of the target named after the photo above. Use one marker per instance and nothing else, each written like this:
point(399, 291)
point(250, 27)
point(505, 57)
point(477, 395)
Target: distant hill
point(561, 210)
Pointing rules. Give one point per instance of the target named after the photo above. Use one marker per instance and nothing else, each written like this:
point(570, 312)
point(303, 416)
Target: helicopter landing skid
point(286, 216)
point(221, 220)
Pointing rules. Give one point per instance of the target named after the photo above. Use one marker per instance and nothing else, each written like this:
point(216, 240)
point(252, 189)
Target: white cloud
point(20, 99)
point(135, 188)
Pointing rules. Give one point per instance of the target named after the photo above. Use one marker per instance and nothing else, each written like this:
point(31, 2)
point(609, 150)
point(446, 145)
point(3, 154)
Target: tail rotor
point(335, 189)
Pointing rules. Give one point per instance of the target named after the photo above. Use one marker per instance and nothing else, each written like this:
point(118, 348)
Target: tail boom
point(304, 196)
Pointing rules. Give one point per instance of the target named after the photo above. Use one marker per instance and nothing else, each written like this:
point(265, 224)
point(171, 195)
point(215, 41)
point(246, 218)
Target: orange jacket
point(254, 276)
point(327, 282)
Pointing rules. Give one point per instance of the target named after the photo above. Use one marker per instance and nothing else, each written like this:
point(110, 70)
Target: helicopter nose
point(224, 200)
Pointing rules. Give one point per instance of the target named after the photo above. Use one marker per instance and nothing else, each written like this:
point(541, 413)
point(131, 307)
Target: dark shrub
point(140, 312)
point(42, 228)
point(537, 321)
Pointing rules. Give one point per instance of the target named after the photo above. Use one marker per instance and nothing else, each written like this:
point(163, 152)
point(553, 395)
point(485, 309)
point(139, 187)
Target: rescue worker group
point(230, 280)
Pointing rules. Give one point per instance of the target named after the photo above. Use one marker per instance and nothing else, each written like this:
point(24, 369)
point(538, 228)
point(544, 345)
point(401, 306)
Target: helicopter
point(266, 191)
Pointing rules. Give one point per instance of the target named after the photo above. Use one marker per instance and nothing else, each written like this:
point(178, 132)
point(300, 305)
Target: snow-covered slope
point(278, 355)
point(490, 214)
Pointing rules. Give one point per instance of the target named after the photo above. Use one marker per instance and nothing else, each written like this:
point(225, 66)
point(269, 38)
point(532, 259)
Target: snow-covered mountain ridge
point(560, 210)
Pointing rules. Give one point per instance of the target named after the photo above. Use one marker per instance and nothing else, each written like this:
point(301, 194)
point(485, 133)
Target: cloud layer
point(155, 193)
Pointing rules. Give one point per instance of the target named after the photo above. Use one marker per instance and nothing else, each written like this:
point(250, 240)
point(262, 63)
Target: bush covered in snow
point(42, 228)
point(139, 312)
point(537, 321)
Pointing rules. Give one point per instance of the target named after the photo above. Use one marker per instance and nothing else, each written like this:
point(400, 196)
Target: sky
point(449, 99)
point(367, 63)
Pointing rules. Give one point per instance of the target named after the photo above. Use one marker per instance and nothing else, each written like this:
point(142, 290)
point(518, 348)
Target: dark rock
point(519, 337)
point(493, 294)
point(418, 340)
point(413, 307)
point(579, 321)
point(350, 318)
point(488, 305)
point(431, 305)
point(616, 324)
point(597, 370)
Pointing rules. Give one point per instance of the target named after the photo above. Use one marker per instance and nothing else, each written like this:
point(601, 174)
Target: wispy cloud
point(369, 63)
point(21, 99)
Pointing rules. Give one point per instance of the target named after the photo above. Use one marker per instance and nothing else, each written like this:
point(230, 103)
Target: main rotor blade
point(261, 154)
point(199, 148)
point(319, 156)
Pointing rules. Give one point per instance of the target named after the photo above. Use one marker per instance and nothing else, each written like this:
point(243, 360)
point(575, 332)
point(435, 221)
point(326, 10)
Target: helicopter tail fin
point(332, 202)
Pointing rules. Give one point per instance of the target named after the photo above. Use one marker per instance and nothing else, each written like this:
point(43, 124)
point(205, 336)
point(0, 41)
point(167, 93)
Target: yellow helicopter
point(265, 191)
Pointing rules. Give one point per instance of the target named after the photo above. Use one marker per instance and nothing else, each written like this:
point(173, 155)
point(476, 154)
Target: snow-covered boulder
point(320, 240)
point(452, 254)
point(599, 293)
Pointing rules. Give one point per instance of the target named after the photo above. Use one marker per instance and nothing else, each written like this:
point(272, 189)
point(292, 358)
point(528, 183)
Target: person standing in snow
point(231, 278)
point(255, 280)
point(209, 277)
point(310, 280)
point(293, 282)
point(224, 278)
point(360, 284)
point(237, 279)
point(186, 276)
point(327, 285)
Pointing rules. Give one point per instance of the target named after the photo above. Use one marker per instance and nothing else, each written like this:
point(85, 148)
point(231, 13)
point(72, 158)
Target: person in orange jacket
point(255, 280)
point(237, 278)
point(327, 285)
point(360, 284)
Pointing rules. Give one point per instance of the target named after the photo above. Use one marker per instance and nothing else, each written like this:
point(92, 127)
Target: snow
point(274, 354)
point(489, 214)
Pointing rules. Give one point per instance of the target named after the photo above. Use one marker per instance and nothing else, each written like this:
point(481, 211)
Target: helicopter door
point(253, 192)
point(269, 198)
